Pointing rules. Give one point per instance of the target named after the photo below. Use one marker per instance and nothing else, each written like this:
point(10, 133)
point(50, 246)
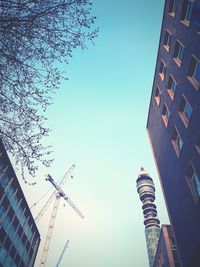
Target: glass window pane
point(197, 72)
point(3, 254)
point(173, 86)
point(188, 111)
point(172, 6)
point(196, 182)
point(179, 142)
point(189, 11)
point(180, 52)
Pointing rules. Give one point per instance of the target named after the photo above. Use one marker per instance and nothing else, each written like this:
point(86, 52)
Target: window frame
point(182, 111)
point(165, 114)
point(173, 7)
point(177, 141)
point(172, 243)
point(194, 64)
point(190, 177)
point(186, 13)
point(158, 96)
point(178, 53)
point(162, 73)
point(171, 81)
point(197, 144)
point(167, 41)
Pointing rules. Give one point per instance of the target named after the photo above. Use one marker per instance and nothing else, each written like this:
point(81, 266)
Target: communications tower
point(146, 191)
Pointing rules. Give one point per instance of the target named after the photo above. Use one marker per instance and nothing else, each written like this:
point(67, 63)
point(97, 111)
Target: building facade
point(173, 123)
point(146, 191)
point(166, 254)
point(19, 236)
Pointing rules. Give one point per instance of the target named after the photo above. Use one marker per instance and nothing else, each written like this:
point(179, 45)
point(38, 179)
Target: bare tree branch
point(34, 36)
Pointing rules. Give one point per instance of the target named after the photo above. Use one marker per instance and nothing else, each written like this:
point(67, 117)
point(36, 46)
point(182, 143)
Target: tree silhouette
point(34, 36)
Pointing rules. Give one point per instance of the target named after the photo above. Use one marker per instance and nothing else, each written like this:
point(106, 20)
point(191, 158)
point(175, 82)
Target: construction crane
point(62, 253)
point(59, 193)
point(52, 196)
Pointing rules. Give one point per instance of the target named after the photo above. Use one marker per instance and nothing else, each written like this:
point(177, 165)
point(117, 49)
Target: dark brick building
point(173, 123)
point(166, 254)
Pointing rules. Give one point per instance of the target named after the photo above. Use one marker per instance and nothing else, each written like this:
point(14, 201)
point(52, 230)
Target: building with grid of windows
point(146, 191)
point(166, 254)
point(19, 236)
point(173, 123)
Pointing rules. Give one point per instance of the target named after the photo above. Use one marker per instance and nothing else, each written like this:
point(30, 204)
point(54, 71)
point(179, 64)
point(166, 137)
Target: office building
point(146, 191)
point(19, 236)
point(166, 254)
point(173, 123)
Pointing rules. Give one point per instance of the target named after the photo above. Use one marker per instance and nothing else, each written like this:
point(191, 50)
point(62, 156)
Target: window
point(187, 12)
point(167, 40)
point(194, 72)
point(198, 144)
point(162, 71)
point(171, 87)
point(158, 96)
point(4, 180)
point(172, 243)
point(185, 111)
point(178, 53)
point(165, 114)
point(177, 142)
point(172, 7)
point(3, 254)
point(193, 180)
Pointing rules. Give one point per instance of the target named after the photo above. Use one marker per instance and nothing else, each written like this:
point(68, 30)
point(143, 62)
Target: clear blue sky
point(98, 122)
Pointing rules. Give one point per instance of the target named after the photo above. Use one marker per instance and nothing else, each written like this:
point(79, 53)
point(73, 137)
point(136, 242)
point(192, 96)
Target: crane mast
point(50, 231)
point(63, 251)
point(59, 193)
